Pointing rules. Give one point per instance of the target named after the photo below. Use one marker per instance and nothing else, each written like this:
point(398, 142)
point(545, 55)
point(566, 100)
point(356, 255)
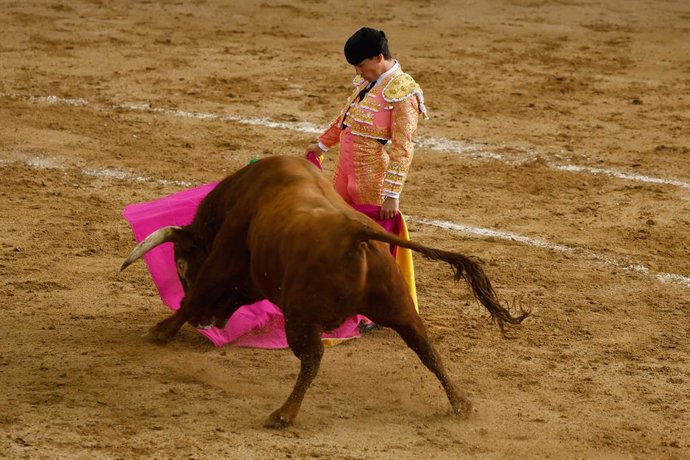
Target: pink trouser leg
point(344, 179)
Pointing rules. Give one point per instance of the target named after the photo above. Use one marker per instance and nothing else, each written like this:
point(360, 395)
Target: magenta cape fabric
point(259, 325)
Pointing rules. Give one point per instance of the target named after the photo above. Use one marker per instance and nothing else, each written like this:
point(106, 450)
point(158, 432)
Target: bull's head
point(189, 256)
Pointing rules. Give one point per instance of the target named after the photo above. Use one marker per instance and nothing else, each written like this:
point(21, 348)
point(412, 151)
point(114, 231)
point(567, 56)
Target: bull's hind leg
point(305, 341)
point(410, 327)
point(415, 337)
point(388, 303)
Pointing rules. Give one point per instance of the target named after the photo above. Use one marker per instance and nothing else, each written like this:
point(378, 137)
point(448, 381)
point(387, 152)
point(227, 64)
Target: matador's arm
point(331, 136)
point(404, 121)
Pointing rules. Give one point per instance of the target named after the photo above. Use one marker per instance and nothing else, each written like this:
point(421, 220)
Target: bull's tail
point(463, 266)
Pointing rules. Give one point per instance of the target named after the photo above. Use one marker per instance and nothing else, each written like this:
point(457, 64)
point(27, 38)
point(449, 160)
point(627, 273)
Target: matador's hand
point(314, 148)
point(389, 208)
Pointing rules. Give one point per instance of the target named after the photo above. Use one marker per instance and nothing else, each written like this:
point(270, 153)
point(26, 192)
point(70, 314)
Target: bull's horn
point(160, 236)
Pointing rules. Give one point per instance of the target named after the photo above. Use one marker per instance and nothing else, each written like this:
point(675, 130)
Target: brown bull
point(277, 230)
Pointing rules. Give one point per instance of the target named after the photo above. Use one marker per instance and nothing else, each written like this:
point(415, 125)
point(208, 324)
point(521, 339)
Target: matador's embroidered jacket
point(388, 112)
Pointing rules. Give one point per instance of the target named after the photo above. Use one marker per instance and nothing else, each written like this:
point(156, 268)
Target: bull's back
point(264, 178)
point(293, 181)
point(283, 207)
point(281, 187)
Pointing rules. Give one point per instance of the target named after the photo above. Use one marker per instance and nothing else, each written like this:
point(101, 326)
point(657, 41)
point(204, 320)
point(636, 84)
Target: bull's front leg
point(305, 342)
point(230, 306)
point(165, 330)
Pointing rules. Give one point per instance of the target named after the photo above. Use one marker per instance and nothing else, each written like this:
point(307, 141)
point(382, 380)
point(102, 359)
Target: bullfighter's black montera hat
point(365, 43)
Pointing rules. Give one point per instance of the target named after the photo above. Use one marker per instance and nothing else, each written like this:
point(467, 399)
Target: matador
point(375, 129)
point(376, 126)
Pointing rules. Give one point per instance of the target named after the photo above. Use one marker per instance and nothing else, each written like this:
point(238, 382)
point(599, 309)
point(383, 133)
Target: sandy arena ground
point(558, 152)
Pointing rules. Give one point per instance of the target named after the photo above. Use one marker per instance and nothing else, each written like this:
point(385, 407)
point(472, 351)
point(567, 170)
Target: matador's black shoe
point(370, 326)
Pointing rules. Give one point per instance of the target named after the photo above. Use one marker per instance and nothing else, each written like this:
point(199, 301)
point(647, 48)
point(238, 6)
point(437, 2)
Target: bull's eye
point(182, 267)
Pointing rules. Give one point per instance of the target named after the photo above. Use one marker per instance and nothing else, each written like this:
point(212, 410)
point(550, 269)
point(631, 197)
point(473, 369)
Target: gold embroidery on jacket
point(403, 86)
point(370, 169)
point(370, 103)
point(378, 173)
point(400, 87)
point(358, 80)
point(374, 131)
point(405, 119)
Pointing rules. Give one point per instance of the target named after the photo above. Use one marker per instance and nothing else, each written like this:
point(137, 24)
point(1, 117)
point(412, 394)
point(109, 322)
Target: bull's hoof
point(277, 421)
point(155, 337)
point(462, 408)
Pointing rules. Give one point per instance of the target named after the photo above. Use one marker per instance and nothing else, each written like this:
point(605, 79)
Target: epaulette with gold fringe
point(400, 87)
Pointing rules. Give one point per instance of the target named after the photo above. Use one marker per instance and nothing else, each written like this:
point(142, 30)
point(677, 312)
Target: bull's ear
point(160, 236)
point(183, 237)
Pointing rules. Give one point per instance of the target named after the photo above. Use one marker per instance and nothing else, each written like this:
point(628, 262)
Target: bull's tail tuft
point(474, 275)
point(465, 268)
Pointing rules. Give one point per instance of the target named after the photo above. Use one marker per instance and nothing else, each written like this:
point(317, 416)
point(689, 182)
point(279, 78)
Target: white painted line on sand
point(622, 175)
point(438, 144)
point(489, 233)
point(671, 278)
point(41, 162)
point(124, 175)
